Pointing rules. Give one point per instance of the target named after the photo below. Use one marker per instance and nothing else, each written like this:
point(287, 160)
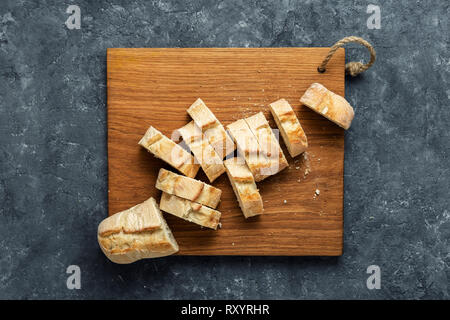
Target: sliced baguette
point(188, 188)
point(212, 128)
point(189, 210)
point(268, 143)
point(248, 146)
point(244, 187)
point(137, 233)
point(205, 154)
point(292, 132)
point(329, 104)
point(167, 150)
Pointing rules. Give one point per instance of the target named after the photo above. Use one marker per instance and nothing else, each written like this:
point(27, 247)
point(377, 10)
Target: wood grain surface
point(156, 86)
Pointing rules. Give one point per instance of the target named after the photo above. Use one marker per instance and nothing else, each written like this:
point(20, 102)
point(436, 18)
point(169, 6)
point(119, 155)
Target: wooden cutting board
point(156, 86)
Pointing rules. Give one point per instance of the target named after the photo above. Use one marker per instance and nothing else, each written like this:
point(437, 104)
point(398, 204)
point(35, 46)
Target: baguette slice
point(268, 143)
point(212, 128)
point(188, 188)
point(190, 211)
point(248, 146)
point(205, 154)
point(292, 132)
point(332, 106)
point(137, 233)
point(244, 187)
point(167, 150)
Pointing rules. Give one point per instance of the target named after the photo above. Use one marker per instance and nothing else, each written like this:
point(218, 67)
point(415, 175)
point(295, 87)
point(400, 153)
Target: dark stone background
point(53, 162)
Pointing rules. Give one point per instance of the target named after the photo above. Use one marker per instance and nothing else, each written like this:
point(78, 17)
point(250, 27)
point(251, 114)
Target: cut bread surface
point(188, 188)
point(249, 148)
point(244, 187)
point(205, 154)
point(329, 104)
point(136, 233)
point(211, 128)
point(167, 150)
point(268, 142)
point(190, 211)
point(287, 122)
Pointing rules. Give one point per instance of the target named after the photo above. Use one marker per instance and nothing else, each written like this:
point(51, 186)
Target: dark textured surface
point(53, 165)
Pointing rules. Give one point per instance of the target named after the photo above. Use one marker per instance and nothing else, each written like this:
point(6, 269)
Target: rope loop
point(352, 68)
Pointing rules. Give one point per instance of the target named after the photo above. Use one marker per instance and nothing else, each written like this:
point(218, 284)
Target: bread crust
point(212, 128)
point(244, 187)
point(268, 143)
point(205, 154)
point(249, 148)
point(188, 188)
point(137, 233)
point(190, 211)
point(287, 122)
point(167, 150)
point(329, 104)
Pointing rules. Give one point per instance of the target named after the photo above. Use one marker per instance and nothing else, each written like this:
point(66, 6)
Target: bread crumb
point(296, 168)
point(232, 244)
point(317, 191)
point(220, 225)
point(285, 201)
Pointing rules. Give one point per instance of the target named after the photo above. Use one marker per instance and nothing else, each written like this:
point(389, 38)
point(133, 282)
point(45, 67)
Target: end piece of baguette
point(137, 233)
point(248, 146)
point(329, 104)
point(212, 128)
point(268, 143)
point(190, 211)
point(188, 188)
point(292, 132)
point(244, 187)
point(167, 150)
point(205, 154)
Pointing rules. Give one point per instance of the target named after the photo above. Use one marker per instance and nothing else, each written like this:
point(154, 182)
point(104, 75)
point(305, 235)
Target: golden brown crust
point(244, 187)
point(248, 146)
point(167, 150)
point(332, 106)
point(190, 211)
point(268, 143)
point(137, 233)
point(188, 188)
point(205, 154)
point(211, 128)
point(292, 132)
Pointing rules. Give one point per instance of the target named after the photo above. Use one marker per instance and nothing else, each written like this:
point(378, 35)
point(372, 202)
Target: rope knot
point(354, 68)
